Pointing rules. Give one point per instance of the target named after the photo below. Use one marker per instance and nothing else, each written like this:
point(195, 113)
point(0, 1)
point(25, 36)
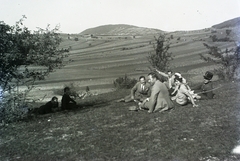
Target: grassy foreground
point(108, 131)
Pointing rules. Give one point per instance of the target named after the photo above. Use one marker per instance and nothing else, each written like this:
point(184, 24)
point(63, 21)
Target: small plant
point(124, 82)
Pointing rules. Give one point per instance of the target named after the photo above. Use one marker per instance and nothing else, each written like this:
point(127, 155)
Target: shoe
point(121, 100)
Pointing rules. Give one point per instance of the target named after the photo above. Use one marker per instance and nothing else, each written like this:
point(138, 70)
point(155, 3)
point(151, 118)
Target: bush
point(229, 60)
point(124, 82)
point(76, 39)
point(25, 56)
point(161, 58)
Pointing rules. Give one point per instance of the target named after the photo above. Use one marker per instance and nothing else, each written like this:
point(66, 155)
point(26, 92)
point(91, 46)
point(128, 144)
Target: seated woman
point(172, 88)
point(183, 93)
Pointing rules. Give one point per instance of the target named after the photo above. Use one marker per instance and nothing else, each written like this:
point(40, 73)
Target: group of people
point(67, 103)
point(158, 94)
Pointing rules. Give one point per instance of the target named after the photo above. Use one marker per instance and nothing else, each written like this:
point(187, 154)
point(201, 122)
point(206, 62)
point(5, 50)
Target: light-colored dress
point(181, 97)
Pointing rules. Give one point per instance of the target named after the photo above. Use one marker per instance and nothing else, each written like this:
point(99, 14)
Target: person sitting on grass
point(67, 102)
point(205, 89)
point(139, 92)
point(49, 107)
point(170, 81)
point(183, 93)
point(159, 99)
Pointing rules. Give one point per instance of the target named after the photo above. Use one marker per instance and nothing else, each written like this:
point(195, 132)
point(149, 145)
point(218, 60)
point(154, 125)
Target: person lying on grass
point(67, 102)
point(139, 92)
point(183, 93)
point(159, 99)
point(49, 107)
point(205, 89)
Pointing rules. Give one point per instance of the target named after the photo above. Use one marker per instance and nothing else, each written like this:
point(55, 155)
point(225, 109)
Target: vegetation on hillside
point(101, 129)
point(228, 59)
point(161, 58)
point(25, 57)
point(228, 24)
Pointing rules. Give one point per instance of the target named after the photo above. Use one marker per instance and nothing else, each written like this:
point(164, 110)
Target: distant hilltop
point(228, 24)
point(120, 29)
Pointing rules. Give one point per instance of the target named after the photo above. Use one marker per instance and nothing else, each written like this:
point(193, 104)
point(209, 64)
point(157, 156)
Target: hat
point(208, 75)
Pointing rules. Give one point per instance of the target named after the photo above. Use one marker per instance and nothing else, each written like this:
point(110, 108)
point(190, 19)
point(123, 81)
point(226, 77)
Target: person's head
point(178, 75)
point(54, 99)
point(152, 77)
point(66, 90)
point(142, 79)
point(178, 80)
point(208, 77)
point(169, 73)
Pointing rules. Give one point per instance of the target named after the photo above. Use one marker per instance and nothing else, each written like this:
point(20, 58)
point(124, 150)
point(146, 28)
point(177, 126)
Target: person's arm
point(153, 98)
point(186, 92)
point(133, 90)
point(197, 87)
point(161, 73)
point(72, 100)
point(149, 90)
point(175, 90)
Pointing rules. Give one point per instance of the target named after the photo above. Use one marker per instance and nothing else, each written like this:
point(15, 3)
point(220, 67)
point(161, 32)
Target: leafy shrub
point(25, 56)
point(124, 82)
point(229, 60)
point(14, 105)
point(161, 58)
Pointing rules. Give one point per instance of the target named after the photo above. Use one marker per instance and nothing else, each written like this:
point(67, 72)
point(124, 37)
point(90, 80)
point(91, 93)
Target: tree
point(25, 57)
point(161, 58)
point(228, 59)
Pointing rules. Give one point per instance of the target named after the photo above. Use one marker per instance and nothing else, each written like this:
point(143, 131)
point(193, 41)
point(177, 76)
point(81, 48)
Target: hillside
point(228, 24)
point(120, 29)
point(116, 50)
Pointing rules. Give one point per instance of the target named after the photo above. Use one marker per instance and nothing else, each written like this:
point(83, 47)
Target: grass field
point(105, 130)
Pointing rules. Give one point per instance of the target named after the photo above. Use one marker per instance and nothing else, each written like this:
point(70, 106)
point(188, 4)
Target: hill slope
point(230, 23)
point(120, 29)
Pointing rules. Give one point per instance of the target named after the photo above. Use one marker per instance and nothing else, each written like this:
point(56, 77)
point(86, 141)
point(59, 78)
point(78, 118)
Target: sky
point(75, 16)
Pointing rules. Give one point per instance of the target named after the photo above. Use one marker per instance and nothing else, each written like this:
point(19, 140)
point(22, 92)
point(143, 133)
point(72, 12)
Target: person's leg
point(128, 98)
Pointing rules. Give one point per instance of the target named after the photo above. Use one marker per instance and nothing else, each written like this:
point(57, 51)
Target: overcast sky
point(74, 16)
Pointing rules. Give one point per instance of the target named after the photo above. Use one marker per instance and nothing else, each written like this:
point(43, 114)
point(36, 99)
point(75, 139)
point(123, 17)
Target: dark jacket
point(65, 102)
point(139, 93)
point(205, 90)
point(47, 108)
